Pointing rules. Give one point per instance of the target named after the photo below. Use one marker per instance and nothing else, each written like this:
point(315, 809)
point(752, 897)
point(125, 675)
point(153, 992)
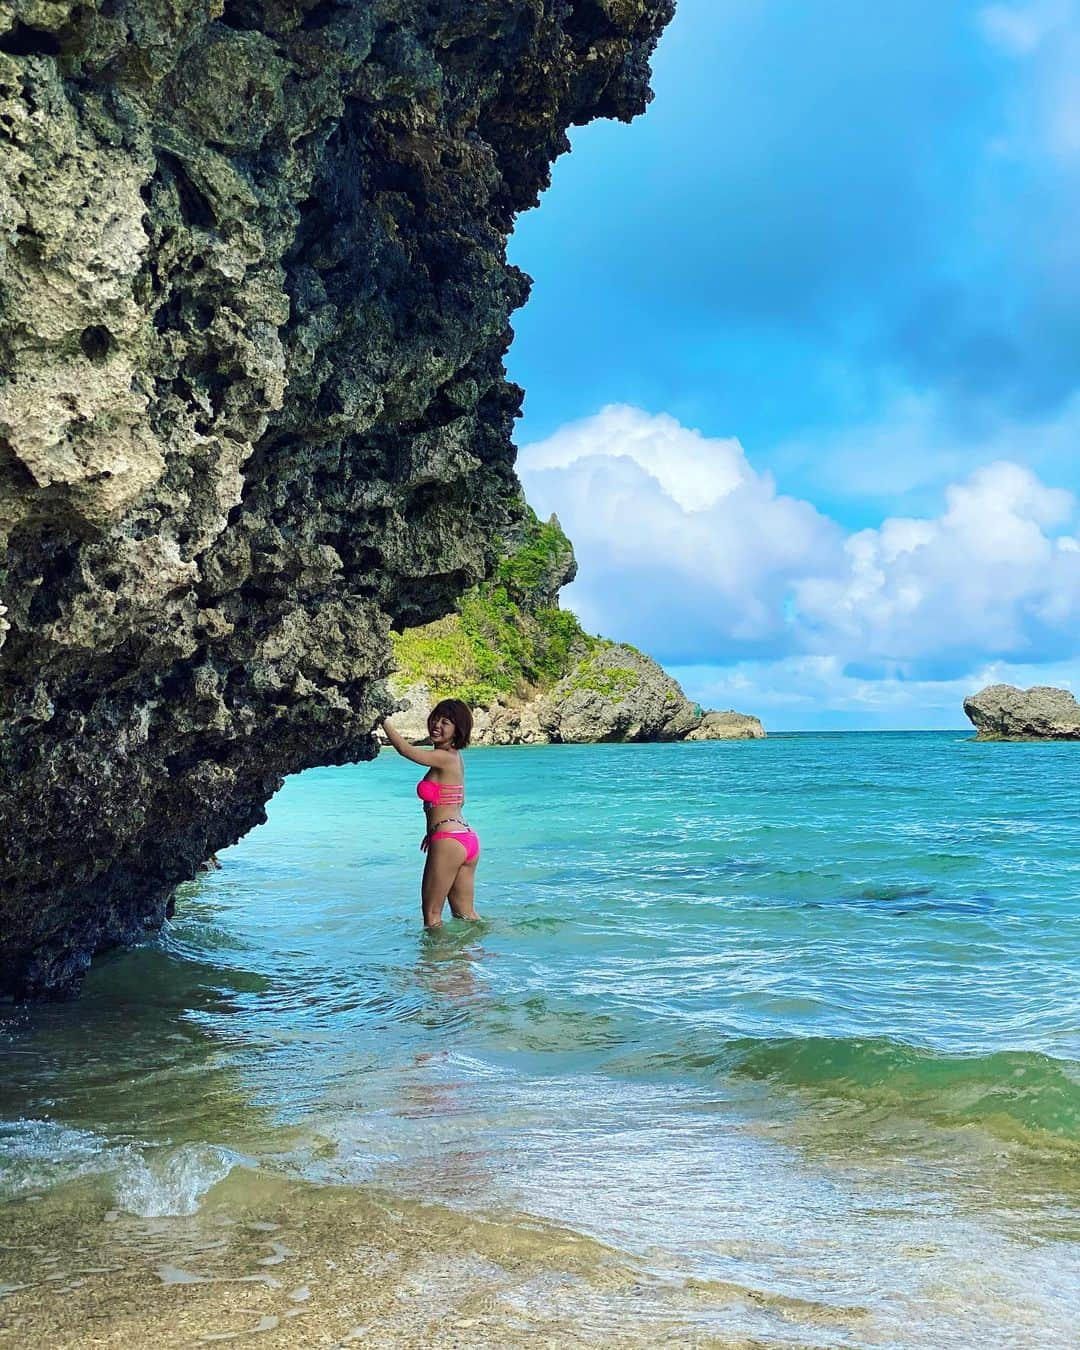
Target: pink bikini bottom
point(466, 838)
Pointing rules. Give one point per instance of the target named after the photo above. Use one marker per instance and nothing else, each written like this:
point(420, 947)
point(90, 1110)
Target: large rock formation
point(532, 674)
point(1001, 712)
point(614, 693)
point(617, 694)
point(253, 306)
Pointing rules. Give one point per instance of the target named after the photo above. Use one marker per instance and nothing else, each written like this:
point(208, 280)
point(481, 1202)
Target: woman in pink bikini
point(452, 853)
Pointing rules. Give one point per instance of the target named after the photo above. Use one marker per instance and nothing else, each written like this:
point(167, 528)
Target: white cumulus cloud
point(695, 471)
point(687, 551)
point(683, 547)
point(987, 577)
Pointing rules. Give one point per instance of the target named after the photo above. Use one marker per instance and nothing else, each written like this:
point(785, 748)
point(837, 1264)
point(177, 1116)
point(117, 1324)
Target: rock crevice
point(254, 302)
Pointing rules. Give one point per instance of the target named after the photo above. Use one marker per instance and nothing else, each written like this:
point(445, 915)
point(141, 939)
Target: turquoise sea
point(764, 1043)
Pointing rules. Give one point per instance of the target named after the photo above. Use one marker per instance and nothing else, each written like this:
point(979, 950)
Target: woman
point(452, 854)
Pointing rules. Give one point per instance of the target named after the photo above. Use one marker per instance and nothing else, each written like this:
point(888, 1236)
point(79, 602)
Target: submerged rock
point(254, 301)
point(1001, 712)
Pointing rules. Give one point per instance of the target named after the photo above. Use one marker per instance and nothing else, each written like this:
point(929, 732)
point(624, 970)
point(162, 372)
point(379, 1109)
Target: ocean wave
point(1015, 1094)
point(174, 1181)
point(38, 1155)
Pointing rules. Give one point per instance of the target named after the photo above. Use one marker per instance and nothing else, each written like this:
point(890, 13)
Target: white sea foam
point(173, 1182)
point(36, 1155)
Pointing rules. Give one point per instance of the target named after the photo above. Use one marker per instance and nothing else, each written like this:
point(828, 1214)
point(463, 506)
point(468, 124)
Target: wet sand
point(300, 1265)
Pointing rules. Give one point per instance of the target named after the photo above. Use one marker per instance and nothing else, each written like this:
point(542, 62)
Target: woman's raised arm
point(432, 759)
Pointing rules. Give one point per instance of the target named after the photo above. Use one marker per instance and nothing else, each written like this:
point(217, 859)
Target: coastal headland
point(530, 671)
point(253, 310)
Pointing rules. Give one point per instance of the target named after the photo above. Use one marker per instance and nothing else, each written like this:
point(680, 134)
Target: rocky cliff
point(532, 674)
point(254, 301)
point(1001, 712)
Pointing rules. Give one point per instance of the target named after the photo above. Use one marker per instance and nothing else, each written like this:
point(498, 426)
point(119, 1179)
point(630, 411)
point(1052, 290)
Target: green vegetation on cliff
point(539, 565)
point(613, 682)
point(508, 637)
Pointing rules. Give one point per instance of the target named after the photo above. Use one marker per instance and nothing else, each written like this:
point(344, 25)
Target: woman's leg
point(443, 861)
point(463, 890)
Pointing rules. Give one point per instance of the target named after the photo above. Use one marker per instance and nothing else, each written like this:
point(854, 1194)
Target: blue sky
point(802, 357)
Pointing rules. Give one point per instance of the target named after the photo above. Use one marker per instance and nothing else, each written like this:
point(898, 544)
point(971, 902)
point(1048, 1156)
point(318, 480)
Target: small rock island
point(1001, 712)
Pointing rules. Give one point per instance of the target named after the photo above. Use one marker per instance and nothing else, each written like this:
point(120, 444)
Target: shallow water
point(785, 1033)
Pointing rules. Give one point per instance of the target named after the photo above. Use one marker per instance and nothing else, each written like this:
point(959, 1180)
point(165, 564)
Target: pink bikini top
point(440, 794)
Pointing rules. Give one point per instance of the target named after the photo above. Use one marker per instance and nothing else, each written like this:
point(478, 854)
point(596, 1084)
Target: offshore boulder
point(1001, 712)
point(254, 302)
point(728, 725)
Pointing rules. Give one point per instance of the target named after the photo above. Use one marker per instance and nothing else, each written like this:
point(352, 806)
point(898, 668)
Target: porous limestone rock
point(614, 694)
point(254, 301)
point(617, 694)
point(1001, 712)
point(727, 726)
point(413, 702)
point(513, 724)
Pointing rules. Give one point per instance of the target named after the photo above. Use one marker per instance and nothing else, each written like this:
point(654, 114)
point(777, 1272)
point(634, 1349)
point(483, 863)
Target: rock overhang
point(254, 302)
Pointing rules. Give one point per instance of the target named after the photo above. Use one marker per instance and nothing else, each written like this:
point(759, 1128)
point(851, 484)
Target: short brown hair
point(461, 717)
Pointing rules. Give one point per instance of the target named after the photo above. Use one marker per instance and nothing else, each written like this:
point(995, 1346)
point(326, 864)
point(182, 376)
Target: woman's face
point(441, 729)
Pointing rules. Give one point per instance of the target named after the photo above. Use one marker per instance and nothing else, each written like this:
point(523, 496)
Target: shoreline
point(696, 1076)
point(306, 1263)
